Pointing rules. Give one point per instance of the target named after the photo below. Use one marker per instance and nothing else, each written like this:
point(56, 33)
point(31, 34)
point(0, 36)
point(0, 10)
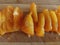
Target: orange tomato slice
point(40, 27)
point(54, 21)
point(28, 25)
point(33, 9)
point(48, 24)
point(17, 15)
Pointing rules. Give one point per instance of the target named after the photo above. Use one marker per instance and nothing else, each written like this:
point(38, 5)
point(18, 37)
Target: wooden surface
point(30, 1)
point(21, 38)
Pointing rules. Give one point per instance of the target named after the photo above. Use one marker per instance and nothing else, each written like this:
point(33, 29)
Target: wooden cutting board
point(21, 37)
point(30, 1)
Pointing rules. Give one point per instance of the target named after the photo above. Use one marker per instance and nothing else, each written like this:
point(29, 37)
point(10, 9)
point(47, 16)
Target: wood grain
point(7, 1)
point(30, 1)
point(40, 1)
